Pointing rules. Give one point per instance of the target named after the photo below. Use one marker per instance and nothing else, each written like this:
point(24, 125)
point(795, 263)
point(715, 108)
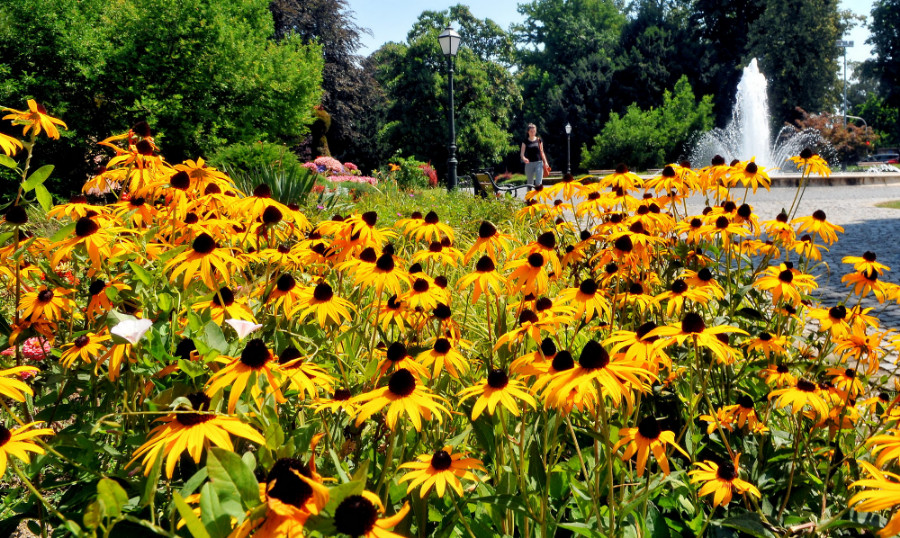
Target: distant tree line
point(636, 80)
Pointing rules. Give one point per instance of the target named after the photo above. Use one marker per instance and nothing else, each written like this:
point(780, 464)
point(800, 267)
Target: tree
point(885, 66)
point(651, 138)
point(414, 78)
point(566, 56)
point(722, 28)
point(798, 58)
point(203, 73)
point(848, 143)
point(349, 91)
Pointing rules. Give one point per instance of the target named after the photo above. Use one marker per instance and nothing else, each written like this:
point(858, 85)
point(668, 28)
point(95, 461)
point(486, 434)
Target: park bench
point(484, 184)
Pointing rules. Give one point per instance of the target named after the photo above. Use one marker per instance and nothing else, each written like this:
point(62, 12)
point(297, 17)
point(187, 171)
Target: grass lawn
point(894, 204)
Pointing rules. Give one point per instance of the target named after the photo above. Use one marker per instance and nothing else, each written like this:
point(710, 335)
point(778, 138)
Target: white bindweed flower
point(132, 329)
point(242, 327)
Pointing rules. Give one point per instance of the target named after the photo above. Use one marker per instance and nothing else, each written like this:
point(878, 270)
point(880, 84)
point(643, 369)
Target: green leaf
point(44, 197)
point(8, 162)
point(191, 521)
point(228, 472)
point(194, 482)
point(214, 337)
point(150, 485)
point(63, 233)
point(92, 517)
point(748, 523)
point(111, 496)
point(216, 521)
point(143, 275)
point(37, 177)
point(581, 529)
point(164, 301)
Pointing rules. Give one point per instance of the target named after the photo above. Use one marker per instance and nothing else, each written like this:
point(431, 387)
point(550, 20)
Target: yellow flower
point(721, 480)
point(401, 395)
point(10, 387)
point(357, 516)
point(811, 163)
point(35, 118)
point(18, 443)
point(441, 469)
point(884, 494)
point(497, 388)
point(9, 145)
point(645, 438)
point(804, 393)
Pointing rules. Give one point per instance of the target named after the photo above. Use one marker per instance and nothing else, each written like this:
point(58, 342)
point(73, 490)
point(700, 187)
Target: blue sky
point(390, 20)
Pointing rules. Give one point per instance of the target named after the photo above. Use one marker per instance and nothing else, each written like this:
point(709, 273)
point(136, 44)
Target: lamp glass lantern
point(449, 40)
point(568, 128)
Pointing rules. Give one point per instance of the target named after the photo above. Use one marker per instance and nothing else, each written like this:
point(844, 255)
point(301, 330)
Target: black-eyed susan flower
point(586, 299)
point(357, 515)
point(205, 257)
point(99, 292)
point(192, 431)
point(385, 275)
point(811, 163)
point(424, 293)
point(497, 388)
point(339, 401)
point(818, 224)
point(783, 281)
point(722, 480)
point(693, 327)
point(86, 347)
point(490, 241)
point(9, 145)
point(617, 377)
point(846, 382)
point(858, 346)
point(19, 442)
point(528, 275)
point(396, 356)
point(637, 346)
point(645, 438)
point(803, 394)
point(443, 355)
point(286, 294)
point(304, 376)
point(485, 278)
point(432, 229)
point(321, 302)
point(402, 395)
point(864, 282)
point(96, 239)
point(223, 304)
point(866, 263)
point(48, 303)
point(36, 119)
point(439, 470)
point(768, 344)
point(13, 387)
point(251, 364)
point(440, 253)
point(677, 294)
point(884, 493)
point(751, 174)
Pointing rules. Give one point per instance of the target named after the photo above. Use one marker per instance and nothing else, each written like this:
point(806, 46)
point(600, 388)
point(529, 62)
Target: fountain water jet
point(748, 133)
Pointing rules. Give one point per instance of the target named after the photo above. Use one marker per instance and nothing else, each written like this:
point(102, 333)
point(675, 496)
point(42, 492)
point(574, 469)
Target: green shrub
point(288, 185)
point(650, 138)
point(408, 172)
point(255, 156)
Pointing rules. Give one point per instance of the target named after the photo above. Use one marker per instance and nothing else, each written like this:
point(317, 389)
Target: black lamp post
point(568, 148)
point(449, 40)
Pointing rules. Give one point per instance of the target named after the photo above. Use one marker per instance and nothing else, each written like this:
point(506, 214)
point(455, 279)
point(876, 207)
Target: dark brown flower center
point(726, 471)
point(527, 316)
point(199, 402)
point(180, 180)
point(323, 292)
point(402, 383)
point(204, 244)
point(370, 218)
point(765, 337)
point(819, 215)
point(341, 395)
point(644, 329)
point(262, 191)
point(536, 260)
point(184, 348)
point(396, 352)
point(692, 323)
point(624, 244)
point(227, 297)
point(16, 215)
point(679, 286)
point(432, 218)
point(355, 516)
point(547, 240)
point(544, 303)
point(548, 347)
point(563, 361)
point(385, 263)
point(486, 230)
point(869, 256)
point(649, 428)
point(745, 401)
point(722, 222)
point(368, 255)
point(144, 148)
point(837, 312)
point(435, 246)
point(85, 226)
point(5, 435)
point(611, 268)
point(272, 215)
point(285, 283)
point(497, 379)
point(588, 286)
point(284, 484)
point(593, 356)
point(668, 171)
point(96, 287)
point(782, 369)
point(485, 265)
point(441, 461)
point(441, 346)
point(786, 276)
point(850, 373)
point(420, 285)
point(289, 354)
point(81, 341)
point(718, 160)
point(45, 296)
point(442, 312)
point(806, 386)
point(806, 154)
point(255, 354)
point(752, 168)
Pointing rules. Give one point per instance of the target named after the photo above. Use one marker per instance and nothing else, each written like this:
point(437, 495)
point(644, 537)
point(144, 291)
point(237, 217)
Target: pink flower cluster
point(34, 349)
point(353, 179)
point(330, 164)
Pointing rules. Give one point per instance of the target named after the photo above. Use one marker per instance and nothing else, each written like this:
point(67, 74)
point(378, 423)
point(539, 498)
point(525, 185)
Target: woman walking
point(532, 154)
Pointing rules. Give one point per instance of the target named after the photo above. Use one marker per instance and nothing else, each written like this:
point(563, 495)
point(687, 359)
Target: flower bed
point(603, 364)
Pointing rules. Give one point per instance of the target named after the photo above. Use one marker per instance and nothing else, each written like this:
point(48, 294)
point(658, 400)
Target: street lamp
point(845, 45)
point(449, 40)
point(568, 148)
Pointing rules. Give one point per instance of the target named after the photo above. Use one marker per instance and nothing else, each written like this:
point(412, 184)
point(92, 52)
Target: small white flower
point(132, 329)
point(242, 327)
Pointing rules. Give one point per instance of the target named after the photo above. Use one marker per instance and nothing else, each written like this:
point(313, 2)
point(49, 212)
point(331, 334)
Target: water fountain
point(748, 134)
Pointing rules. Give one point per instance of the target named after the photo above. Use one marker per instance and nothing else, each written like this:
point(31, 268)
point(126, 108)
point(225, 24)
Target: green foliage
point(885, 66)
point(882, 118)
point(651, 138)
point(288, 185)
point(248, 156)
point(202, 73)
point(414, 77)
point(799, 59)
point(406, 172)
